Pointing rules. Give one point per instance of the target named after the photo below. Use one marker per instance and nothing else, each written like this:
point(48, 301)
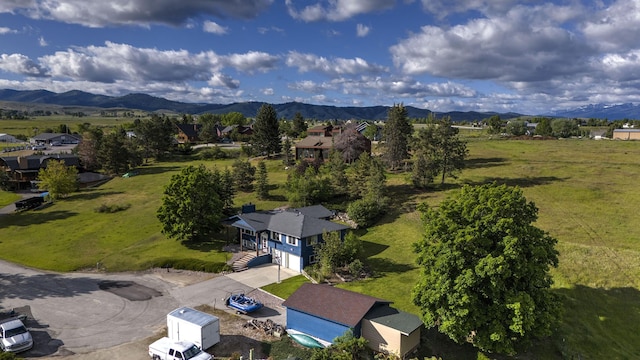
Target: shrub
point(190, 264)
point(355, 268)
point(213, 153)
point(364, 212)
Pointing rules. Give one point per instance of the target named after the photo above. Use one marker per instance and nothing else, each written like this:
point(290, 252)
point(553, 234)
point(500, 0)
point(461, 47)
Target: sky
point(525, 56)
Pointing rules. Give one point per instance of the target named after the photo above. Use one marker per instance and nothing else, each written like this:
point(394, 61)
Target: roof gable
point(399, 320)
point(291, 222)
point(332, 303)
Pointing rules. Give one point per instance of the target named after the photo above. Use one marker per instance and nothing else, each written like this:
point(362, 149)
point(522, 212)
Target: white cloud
point(214, 28)
point(526, 44)
point(120, 63)
point(20, 64)
point(337, 10)
point(42, 42)
point(6, 30)
point(362, 30)
point(100, 13)
point(221, 80)
point(265, 30)
point(268, 91)
point(614, 28)
point(252, 61)
point(331, 67)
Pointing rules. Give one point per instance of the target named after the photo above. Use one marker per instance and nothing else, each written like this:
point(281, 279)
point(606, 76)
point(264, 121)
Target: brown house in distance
point(189, 133)
point(320, 140)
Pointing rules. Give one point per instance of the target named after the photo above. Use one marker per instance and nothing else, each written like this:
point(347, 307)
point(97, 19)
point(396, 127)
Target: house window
point(275, 236)
point(313, 259)
point(292, 241)
point(313, 240)
point(245, 231)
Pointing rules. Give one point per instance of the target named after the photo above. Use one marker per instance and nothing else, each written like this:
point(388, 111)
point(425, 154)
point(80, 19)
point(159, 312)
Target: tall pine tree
point(266, 134)
point(396, 134)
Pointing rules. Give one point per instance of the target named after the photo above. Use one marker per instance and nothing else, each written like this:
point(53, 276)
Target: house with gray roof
point(22, 170)
point(52, 139)
point(286, 237)
point(324, 313)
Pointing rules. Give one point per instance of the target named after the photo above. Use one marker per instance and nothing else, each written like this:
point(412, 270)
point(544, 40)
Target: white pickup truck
point(167, 349)
point(14, 336)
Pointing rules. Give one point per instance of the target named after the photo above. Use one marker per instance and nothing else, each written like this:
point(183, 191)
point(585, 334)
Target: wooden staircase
point(241, 263)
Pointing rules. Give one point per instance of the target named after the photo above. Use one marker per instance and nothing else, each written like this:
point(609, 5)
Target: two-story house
point(286, 236)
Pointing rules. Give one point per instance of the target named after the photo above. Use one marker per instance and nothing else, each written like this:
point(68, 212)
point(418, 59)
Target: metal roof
point(399, 320)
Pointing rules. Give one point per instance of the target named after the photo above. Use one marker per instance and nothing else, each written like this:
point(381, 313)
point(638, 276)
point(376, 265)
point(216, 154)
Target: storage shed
point(187, 324)
point(324, 313)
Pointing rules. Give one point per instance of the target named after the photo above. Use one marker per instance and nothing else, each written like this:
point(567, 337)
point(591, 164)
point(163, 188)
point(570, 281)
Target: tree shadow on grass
point(90, 194)
point(205, 246)
point(402, 200)
point(520, 182)
point(35, 217)
point(479, 163)
point(383, 266)
point(598, 323)
point(370, 249)
point(154, 170)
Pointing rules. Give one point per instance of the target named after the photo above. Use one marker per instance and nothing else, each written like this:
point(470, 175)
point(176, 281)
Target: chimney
point(23, 162)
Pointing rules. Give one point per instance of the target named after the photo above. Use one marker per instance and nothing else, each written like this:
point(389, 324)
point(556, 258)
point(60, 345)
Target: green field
point(585, 191)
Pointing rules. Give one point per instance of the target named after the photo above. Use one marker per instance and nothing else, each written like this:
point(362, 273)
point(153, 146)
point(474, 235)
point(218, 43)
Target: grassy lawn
point(585, 192)
point(7, 198)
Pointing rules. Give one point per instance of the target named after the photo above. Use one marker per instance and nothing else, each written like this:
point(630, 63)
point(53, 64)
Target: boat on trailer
point(243, 303)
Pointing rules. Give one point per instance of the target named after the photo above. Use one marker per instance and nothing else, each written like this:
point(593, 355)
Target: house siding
point(385, 339)
point(626, 134)
point(320, 328)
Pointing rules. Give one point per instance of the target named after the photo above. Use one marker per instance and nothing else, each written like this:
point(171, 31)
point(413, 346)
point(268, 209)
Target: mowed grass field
point(585, 190)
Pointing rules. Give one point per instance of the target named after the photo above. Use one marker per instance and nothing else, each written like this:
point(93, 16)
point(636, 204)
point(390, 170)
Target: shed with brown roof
point(325, 312)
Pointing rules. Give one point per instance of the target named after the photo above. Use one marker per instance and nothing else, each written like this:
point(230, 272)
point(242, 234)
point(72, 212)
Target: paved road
point(77, 313)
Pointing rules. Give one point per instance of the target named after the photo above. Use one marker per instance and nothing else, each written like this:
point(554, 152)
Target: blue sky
point(526, 56)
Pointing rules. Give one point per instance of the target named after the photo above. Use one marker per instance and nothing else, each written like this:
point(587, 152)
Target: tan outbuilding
point(626, 134)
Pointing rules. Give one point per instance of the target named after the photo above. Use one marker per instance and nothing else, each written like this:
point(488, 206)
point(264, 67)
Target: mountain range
point(144, 102)
point(76, 98)
point(602, 111)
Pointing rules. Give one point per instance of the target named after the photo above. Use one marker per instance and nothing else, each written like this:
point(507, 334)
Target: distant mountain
point(249, 109)
point(602, 111)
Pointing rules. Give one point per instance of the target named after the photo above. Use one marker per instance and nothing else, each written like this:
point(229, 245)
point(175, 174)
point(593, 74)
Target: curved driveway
point(83, 312)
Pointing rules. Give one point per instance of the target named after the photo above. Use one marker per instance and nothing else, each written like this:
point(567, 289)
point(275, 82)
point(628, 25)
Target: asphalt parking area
point(129, 290)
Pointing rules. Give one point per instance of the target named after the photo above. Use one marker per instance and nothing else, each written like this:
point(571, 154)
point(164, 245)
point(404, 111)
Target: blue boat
point(243, 304)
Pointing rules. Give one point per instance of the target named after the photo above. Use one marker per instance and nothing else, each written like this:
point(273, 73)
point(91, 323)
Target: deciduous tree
point(485, 269)
point(516, 127)
point(544, 127)
point(351, 143)
point(58, 179)
point(116, 154)
point(192, 208)
point(156, 136)
point(495, 125)
point(444, 149)
point(89, 148)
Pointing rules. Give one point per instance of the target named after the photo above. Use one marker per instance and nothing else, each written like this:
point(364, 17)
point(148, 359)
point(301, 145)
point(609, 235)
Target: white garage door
point(293, 262)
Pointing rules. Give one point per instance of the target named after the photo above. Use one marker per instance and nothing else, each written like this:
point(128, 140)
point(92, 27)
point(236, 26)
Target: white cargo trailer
point(187, 324)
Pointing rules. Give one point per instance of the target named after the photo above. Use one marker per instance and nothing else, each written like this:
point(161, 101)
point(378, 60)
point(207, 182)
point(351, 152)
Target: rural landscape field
point(585, 191)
